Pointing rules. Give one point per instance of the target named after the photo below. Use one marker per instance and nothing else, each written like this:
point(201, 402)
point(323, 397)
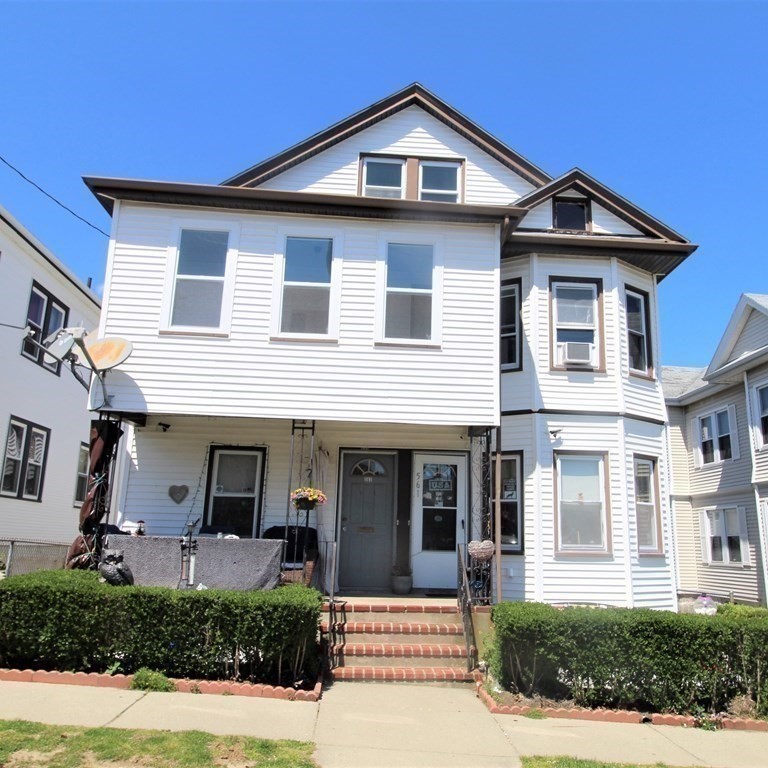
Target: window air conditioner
point(577, 353)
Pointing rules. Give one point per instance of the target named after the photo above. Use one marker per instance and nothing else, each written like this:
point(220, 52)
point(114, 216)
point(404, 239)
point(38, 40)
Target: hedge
point(631, 658)
point(69, 621)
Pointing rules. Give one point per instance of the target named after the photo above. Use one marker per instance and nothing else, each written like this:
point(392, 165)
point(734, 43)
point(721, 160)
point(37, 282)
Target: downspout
point(497, 458)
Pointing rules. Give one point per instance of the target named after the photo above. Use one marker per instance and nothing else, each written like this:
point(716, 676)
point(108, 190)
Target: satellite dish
point(61, 347)
point(108, 353)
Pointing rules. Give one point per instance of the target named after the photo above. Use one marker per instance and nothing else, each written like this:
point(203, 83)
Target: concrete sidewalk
point(372, 725)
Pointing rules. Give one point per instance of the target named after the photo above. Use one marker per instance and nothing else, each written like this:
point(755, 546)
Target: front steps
point(414, 641)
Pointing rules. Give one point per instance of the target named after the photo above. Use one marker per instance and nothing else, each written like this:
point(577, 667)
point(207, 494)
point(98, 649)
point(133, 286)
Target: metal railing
point(19, 556)
point(464, 600)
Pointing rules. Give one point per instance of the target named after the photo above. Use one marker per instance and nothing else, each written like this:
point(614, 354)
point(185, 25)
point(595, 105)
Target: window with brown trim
point(638, 331)
point(411, 178)
point(581, 507)
point(510, 325)
point(511, 501)
point(647, 510)
point(571, 214)
point(576, 318)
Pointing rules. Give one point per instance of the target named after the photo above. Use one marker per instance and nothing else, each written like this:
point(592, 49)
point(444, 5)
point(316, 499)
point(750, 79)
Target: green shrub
point(633, 658)
point(68, 620)
point(149, 680)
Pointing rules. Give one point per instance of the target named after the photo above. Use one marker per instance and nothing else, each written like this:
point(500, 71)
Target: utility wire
point(17, 327)
point(58, 202)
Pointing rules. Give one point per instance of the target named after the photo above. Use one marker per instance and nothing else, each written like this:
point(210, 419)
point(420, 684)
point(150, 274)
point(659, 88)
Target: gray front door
point(367, 518)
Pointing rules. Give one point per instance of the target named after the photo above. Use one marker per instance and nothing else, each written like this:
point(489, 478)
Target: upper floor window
point(383, 177)
point(582, 509)
point(306, 285)
point(724, 538)
point(26, 451)
point(411, 178)
point(575, 320)
point(45, 315)
point(510, 325)
point(201, 281)
point(511, 502)
point(717, 436)
point(647, 512)
point(638, 331)
point(409, 291)
point(762, 403)
point(570, 213)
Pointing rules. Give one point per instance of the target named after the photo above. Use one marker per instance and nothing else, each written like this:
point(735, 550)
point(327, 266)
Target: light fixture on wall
point(555, 433)
point(162, 425)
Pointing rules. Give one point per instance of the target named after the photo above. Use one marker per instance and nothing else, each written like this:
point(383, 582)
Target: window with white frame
point(717, 439)
point(45, 315)
point(200, 279)
point(724, 538)
point(575, 319)
point(762, 405)
point(439, 181)
point(510, 325)
point(582, 514)
point(81, 486)
point(647, 511)
point(638, 331)
point(409, 291)
point(383, 177)
point(306, 296)
point(511, 502)
point(26, 450)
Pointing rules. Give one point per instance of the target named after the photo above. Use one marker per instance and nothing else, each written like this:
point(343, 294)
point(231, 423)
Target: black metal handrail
point(464, 600)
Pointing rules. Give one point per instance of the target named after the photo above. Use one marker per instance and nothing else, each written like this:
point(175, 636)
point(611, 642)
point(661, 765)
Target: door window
point(439, 507)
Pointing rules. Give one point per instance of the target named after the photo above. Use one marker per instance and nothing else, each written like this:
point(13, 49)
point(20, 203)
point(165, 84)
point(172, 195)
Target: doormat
point(440, 593)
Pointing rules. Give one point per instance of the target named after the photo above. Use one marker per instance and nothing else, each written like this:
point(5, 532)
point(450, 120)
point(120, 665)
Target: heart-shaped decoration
point(178, 492)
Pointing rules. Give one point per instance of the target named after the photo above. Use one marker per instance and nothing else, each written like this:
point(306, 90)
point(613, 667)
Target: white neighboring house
point(43, 409)
point(718, 426)
point(401, 283)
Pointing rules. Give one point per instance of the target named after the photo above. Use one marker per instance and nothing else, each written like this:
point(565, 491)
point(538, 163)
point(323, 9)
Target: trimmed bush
point(631, 658)
point(69, 621)
point(148, 680)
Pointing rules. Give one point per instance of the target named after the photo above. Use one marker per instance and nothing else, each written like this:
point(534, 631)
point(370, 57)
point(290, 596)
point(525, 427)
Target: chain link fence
point(18, 556)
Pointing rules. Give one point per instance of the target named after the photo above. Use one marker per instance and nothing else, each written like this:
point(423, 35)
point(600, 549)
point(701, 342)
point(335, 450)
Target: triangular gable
point(413, 95)
point(745, 334)
point(577, 183)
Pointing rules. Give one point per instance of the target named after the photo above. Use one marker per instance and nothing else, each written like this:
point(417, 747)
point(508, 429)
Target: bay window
point(510, 325)
point(582, 507)
point(638, 331)
point(575, 315)
point(647, 511)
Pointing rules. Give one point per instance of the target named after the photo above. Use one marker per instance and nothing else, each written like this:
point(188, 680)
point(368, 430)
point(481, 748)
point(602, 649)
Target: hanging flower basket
point(481, 550)
point(307, 498)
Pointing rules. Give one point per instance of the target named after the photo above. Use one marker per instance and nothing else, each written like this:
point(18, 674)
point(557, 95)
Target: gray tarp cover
point(220, 563)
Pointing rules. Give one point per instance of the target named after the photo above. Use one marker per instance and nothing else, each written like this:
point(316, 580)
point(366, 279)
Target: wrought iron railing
point(464, 599)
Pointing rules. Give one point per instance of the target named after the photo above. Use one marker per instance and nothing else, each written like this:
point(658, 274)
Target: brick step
point(425, 617)
point(404, 674)
point(340, 605)
point(393, 628)
point(394, 655)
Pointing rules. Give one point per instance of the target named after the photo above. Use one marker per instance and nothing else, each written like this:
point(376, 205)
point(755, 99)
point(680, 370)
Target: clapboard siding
point(413, 133)
point(353, 379)
point(753, 336)
point(688, 545)
point(679, 449)
point(517, 386)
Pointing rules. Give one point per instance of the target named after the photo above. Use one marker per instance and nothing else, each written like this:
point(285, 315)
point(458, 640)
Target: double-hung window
point(582, 514)
point(647, 512)
point(439, 181)
point(409, 300)
point(717, 440)
point(26, 450)
point(724, 538)
point(511, 502)
point(762, 405)
point(638, 332)
point(81, 486)
point(306, 292)
point(201, 281)
point(383, 177)
point(576, 319)
point(510, 325)
point(45, 315)
point(411, 178)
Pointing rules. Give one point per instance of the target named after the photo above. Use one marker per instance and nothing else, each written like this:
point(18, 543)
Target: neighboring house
point(718, 427)
point(43, 408)
point(393, 288)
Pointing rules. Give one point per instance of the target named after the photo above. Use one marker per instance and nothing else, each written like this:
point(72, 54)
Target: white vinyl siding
point(753, 336)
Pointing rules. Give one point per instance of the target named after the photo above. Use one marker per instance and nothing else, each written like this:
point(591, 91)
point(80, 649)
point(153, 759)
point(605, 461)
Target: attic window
point(571, 214)
point(383, 177)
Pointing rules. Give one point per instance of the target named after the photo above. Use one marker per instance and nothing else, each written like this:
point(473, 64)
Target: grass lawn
point(33, 745)
point(572, 762)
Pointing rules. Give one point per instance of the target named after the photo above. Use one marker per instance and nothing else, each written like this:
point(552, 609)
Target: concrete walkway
point(372, 725)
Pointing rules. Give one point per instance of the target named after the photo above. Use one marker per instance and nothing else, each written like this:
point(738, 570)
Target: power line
point(58, 202)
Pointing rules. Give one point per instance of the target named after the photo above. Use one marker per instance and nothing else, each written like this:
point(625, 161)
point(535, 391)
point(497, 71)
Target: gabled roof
point(677, 381)
point(579, 181)
point(747, 303)
point(412, 95)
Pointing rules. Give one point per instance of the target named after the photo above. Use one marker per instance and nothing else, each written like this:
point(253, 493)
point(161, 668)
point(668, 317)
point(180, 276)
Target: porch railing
point(464, 599)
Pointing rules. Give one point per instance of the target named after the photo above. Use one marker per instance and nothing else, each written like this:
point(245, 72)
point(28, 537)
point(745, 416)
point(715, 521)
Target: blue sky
point(665, 102)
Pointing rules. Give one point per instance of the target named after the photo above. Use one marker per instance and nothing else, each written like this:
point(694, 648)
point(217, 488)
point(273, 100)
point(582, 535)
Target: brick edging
point(99, 680)
point(612, 715)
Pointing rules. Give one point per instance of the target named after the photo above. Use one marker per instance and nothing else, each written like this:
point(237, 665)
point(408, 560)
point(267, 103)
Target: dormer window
point(383, 177)
point(411, 178)
point(571, 214)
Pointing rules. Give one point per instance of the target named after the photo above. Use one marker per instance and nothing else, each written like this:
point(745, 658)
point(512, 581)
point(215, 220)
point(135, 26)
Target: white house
point(718, 426)
point(375, 301)
point(43, 409)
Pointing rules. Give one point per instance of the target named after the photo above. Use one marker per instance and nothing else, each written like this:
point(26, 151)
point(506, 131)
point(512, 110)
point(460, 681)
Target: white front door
point(438, 518)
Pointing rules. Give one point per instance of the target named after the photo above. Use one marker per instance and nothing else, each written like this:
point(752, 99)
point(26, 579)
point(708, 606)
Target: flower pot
point(305, 504)
point(401, 585)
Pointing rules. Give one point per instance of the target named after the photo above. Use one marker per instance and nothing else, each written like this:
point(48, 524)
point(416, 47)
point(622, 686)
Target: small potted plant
point(307, 498)
point(402, 579)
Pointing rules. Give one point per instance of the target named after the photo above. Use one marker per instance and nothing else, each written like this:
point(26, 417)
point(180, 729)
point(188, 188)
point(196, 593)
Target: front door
point(437, 518)
point(367, 521)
